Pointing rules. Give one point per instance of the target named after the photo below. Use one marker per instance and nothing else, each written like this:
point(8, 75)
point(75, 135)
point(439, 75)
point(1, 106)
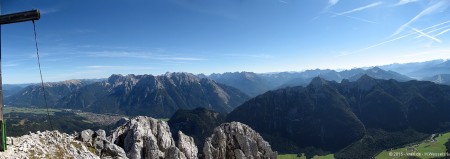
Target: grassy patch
point(329, 156)
point(92, 149)
point(294, 156)
point(290, 156)
point(38, 111)
point(76, 145)
point(164, 119)
point(426, 149)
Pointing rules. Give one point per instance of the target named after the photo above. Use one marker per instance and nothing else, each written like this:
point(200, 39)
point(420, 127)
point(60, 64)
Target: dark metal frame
point(8, 19)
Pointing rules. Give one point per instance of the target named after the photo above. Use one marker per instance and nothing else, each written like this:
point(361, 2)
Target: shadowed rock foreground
point(140, 138)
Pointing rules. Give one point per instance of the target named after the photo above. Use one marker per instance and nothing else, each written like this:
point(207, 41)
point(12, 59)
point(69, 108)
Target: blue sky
point(94, 39)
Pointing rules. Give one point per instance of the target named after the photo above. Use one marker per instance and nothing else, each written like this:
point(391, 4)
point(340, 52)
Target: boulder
point(145, 137)
point(235, 141)
point(186, 145)
point(47, 144)
point(102, 146)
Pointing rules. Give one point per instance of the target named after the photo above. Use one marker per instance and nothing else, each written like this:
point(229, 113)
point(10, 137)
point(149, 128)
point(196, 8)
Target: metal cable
point(42, 79)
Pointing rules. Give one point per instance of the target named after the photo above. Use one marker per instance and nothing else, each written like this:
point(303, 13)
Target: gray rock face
point(48, 144)
point(235, 141)
point(103, 147)
point(186, 145)
point(110, 151)
point(86, 136)
point(145, 137)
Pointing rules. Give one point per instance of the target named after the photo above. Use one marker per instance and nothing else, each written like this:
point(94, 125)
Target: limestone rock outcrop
point(141, 138)
point(237, 141)
point(47, 144)
point(145, 137)
point(186, 145)
point(103, 148)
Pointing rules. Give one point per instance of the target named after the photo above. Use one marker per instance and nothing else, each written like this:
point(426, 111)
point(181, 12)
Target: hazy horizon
point(291, 71)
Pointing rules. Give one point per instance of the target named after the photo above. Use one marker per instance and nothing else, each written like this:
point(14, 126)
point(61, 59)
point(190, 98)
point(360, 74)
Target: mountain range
point(164, 94)
point(332, 116)
point(254, 84)
point(440, 78)
point(420, 70)
point(356, 112)
point(32, 94)
point(156, 96)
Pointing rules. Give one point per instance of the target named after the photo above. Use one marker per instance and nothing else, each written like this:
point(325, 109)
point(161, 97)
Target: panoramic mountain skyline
point(94, 39)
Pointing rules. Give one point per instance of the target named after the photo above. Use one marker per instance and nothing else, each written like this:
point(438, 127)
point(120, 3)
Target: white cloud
point(439, 6)
point(332, 2)
point(361, 8)
point(282, 1)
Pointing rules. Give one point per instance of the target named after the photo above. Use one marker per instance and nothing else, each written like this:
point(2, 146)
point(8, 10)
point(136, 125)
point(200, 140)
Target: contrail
point(426, 35)
point(355, 18)
point(361, 8)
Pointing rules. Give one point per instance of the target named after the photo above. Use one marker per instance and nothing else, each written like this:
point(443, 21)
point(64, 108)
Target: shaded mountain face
point(420, 105)
point(440, 79)
point(330, 115)
point(11, 89)
point(156, 96)
point(32, 95)
point(316, 115)
point(198, 123)
point(250, 83)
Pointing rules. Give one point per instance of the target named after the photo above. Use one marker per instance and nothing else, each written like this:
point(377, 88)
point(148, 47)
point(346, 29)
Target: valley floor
point(430, 148)
point(23, 120)
point(294, 156)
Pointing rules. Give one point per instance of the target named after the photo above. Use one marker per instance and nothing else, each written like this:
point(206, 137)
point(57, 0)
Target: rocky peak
point(375, 70)
point(180, 78)
point(249, 75)
point(123, 82)
point(317, 82)
point(145, 137)
point(114, 77)
point(366, 82)
point(235, 141)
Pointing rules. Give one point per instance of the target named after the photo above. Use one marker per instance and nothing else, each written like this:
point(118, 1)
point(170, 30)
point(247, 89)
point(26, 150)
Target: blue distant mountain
point(420, 70)
point(440, 79)
point(254, 84)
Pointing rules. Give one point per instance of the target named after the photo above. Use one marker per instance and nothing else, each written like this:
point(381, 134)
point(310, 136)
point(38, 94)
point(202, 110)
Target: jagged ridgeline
point(254, 84)
point(331, 116)
point(156, 96)
point(198, 123)
point(142, 138)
